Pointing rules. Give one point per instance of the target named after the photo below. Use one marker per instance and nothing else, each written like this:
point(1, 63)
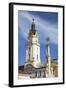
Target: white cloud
point(44, 28)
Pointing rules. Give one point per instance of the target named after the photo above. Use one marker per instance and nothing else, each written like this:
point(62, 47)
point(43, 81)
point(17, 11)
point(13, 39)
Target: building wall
point(38, 73)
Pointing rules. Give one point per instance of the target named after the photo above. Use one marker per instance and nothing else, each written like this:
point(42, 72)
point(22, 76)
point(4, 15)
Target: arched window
point(29, 53)
point(35, 74)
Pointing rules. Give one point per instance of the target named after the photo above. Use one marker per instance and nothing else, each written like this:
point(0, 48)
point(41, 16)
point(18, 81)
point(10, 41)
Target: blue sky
point(46, 26)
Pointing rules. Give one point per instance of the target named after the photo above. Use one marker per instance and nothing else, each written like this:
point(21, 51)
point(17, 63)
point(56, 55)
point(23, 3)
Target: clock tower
point(33, 47)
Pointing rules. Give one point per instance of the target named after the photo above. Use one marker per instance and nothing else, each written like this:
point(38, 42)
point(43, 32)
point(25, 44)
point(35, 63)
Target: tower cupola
point(33, 29)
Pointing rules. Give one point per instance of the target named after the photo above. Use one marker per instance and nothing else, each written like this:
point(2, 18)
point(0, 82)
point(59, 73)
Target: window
point(35, 74)
point(37, 56)
point(29, 53)
point(40, 73)
point(29, 49)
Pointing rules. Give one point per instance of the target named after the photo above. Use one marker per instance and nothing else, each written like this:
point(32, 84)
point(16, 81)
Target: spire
point(47, 41)
point(33, 26)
